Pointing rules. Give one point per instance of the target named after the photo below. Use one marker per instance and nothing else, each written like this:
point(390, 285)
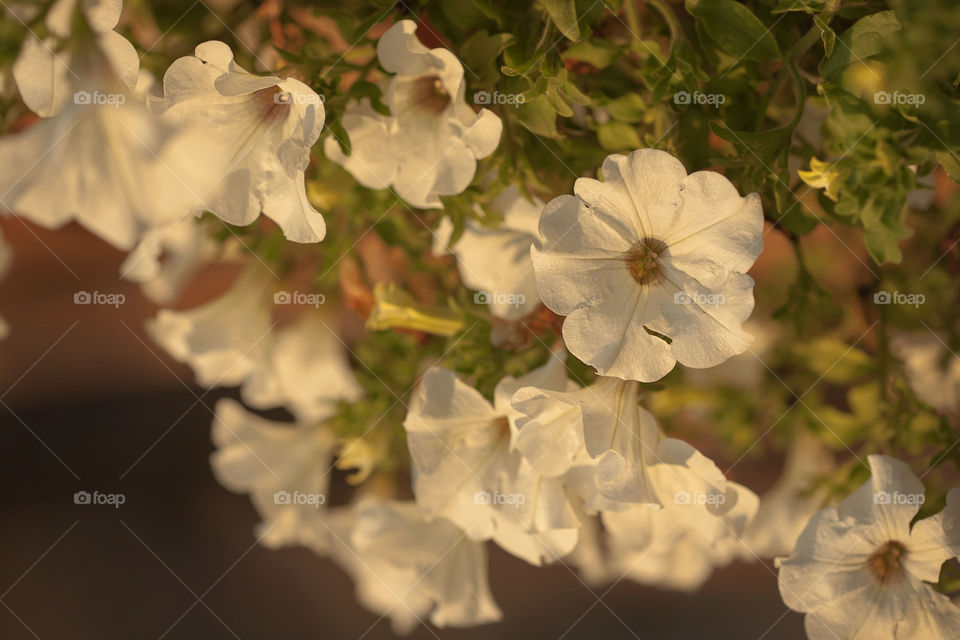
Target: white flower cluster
point(647, 267)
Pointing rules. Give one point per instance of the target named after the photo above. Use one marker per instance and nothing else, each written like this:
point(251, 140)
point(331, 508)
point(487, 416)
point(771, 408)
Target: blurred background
point(87, 403)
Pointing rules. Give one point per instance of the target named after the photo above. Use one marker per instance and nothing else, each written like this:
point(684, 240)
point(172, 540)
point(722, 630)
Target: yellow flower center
point(642, 260)
point(430, 95)
point(886, 563)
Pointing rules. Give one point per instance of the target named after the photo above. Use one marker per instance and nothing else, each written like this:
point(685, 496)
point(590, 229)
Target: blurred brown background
point(88, 403)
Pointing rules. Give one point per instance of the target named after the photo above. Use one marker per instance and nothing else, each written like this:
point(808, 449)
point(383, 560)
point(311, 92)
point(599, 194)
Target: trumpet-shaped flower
point(285, 467)
point(409, 567)
point(106, 161)
point(430, 143)
point(675, 546)
point(232, 341)
point(634, 462)
point(466, 469)
point(268, 125)
point(933, 372)
point(861, 571)
point(648, 266)
point(507, 283)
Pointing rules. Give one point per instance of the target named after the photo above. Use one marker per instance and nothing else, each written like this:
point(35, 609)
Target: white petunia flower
point(167, 256)
point(467, 470)
point(114, 168)
point(226, 341)
point(861, 571)
point(231, 341)
point(649, 266)
point(429, 146)
point(634, 462)
point(507, 282)
point(285, 467)
point(933, 372)
point(308, 372)
point(678, 546)
point(266, 123)
point(49, 72)
point(408, 567)
point(789, 504)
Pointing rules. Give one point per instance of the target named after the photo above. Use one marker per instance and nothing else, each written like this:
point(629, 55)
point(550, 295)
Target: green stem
point(811, 36)
point(671, 19)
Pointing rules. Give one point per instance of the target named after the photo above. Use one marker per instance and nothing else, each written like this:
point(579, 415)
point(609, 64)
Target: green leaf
point(564, 16)
point(340, 135)
point(618, 136)
point(948, 160)
point(539, 116)
point(860, 42)
point(735, 29)
point(364, 89)
point(834, 360)
point(481, 51)
point(599, 53)
point(883, 229)
point(827, 34)
point(627, 108)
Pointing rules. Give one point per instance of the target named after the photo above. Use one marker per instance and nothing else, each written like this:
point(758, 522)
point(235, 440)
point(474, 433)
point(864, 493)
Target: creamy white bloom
point(285, 467)
point(430, 143)
point(408, 567)
point(232, 341)
point(48, 72)
point(466, 469)
point(634, 462)
point(111, 166)
point(225, 341)
point(788, 505)
point(167, 256)
point(678, 546)
point(933, 372)
point(307, 371)
point(650, 250)
point(496, 260)
point(266, 123)
point(860, 571)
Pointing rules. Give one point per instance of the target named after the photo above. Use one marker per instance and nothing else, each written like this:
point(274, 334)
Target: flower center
point(886, 563)
point(642, 260)
point(271, 103)
point(430, 95)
